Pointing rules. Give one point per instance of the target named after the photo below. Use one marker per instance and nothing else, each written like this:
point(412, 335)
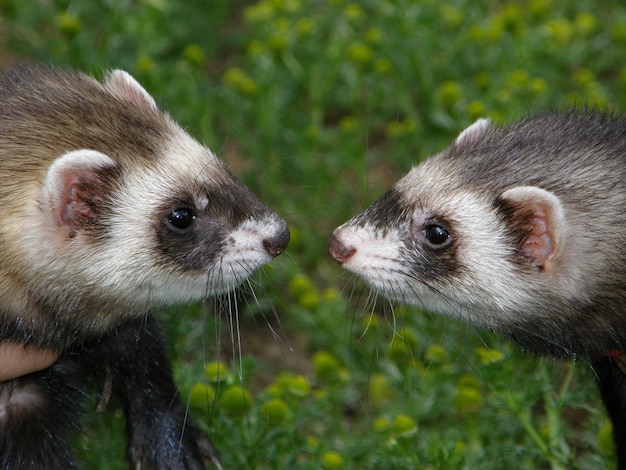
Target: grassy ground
point(319, 106)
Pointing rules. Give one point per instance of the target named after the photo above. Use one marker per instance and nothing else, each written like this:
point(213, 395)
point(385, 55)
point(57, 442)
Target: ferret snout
point(278, 243)
point(338, 250)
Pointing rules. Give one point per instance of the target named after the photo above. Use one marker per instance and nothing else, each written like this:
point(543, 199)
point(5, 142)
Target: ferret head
point(130, 213)
point(478, 251)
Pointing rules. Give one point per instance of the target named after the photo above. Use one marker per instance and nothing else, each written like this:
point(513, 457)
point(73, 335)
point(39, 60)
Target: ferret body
point(111, 212)
point(519, 229)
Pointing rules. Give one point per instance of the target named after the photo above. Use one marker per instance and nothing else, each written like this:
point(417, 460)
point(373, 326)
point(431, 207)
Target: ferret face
point(129, 213)
point(179, 233)
point(446, 246)
point(198, 230)
point(426, 252)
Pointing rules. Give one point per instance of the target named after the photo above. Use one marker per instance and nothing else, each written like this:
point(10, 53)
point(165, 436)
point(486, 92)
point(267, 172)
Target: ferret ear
point(538, 219)
point(125, 87)
point(73, 188)
point(474, 133)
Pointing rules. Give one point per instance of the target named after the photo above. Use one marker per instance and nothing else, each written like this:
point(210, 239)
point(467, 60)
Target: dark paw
point(166, 448)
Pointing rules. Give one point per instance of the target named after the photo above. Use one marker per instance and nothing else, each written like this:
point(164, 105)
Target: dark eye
point(181, 218)
point(437, 235)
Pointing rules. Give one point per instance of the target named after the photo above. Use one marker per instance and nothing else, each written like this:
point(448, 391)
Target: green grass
point(319, 106)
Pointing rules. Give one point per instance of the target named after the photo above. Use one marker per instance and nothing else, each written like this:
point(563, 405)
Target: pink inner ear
point(539, 219)
point(74, 187)
point(539, 244)
point(73, 208)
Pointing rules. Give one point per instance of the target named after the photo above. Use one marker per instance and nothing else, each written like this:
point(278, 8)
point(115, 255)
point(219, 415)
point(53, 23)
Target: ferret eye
point(437, 235)
point(181, 218)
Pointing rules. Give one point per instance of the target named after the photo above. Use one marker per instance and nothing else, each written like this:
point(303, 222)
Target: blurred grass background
point(319, 105)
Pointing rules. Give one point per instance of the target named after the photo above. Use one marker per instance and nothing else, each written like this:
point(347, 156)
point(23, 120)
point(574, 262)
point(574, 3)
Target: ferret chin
point(519, 229)
point(112, 212)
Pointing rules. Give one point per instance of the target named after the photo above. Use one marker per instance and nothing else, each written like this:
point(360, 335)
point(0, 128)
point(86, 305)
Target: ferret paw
point(191, 451)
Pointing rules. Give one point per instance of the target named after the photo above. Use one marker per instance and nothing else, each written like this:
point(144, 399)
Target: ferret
point(519, 229)
point(112, 211)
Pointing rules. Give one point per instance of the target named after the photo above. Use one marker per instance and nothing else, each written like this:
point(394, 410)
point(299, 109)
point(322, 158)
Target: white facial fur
point(381, 255)
point(138, 274)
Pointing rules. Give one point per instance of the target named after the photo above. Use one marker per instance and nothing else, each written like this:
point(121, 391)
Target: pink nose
point(340, 252)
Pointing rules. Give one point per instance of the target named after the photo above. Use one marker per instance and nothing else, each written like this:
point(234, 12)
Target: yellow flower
point(380, 391)
point(309, 300)
point(468, 399)
point(330, 294)
point(300, 284)
point(275, 411)
point(236, 401)
point(381, 424)
point(299, 386)
point(305, 26)
point(277, 42)
point(383, 66)
point(476, 109)
point(492, 32)
point(469, 380)
point(353, 12)
point(331, 460)
point(538, 85)
point(397, 129)
point(584, 77)
point(586, 24)
point(312, 442)
point(511, 17)
point(559, 31)
point(482, 80)
point(259, 12)
point(518, 78)
point(453, 17)
point(68, 23)
point(255, 48)
point(347, 123)
point(325, 366)
point(373, 35)
point(194, 54)
point(289, 6)
point(403, 425)
point(359, 53)
point(237, 79)
point(449, 93)
point(201, 395)
point(539, 8)
point(216, 372)
point(489, 356)
point(144, 64)
point(606, 445)
point(436, 353)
